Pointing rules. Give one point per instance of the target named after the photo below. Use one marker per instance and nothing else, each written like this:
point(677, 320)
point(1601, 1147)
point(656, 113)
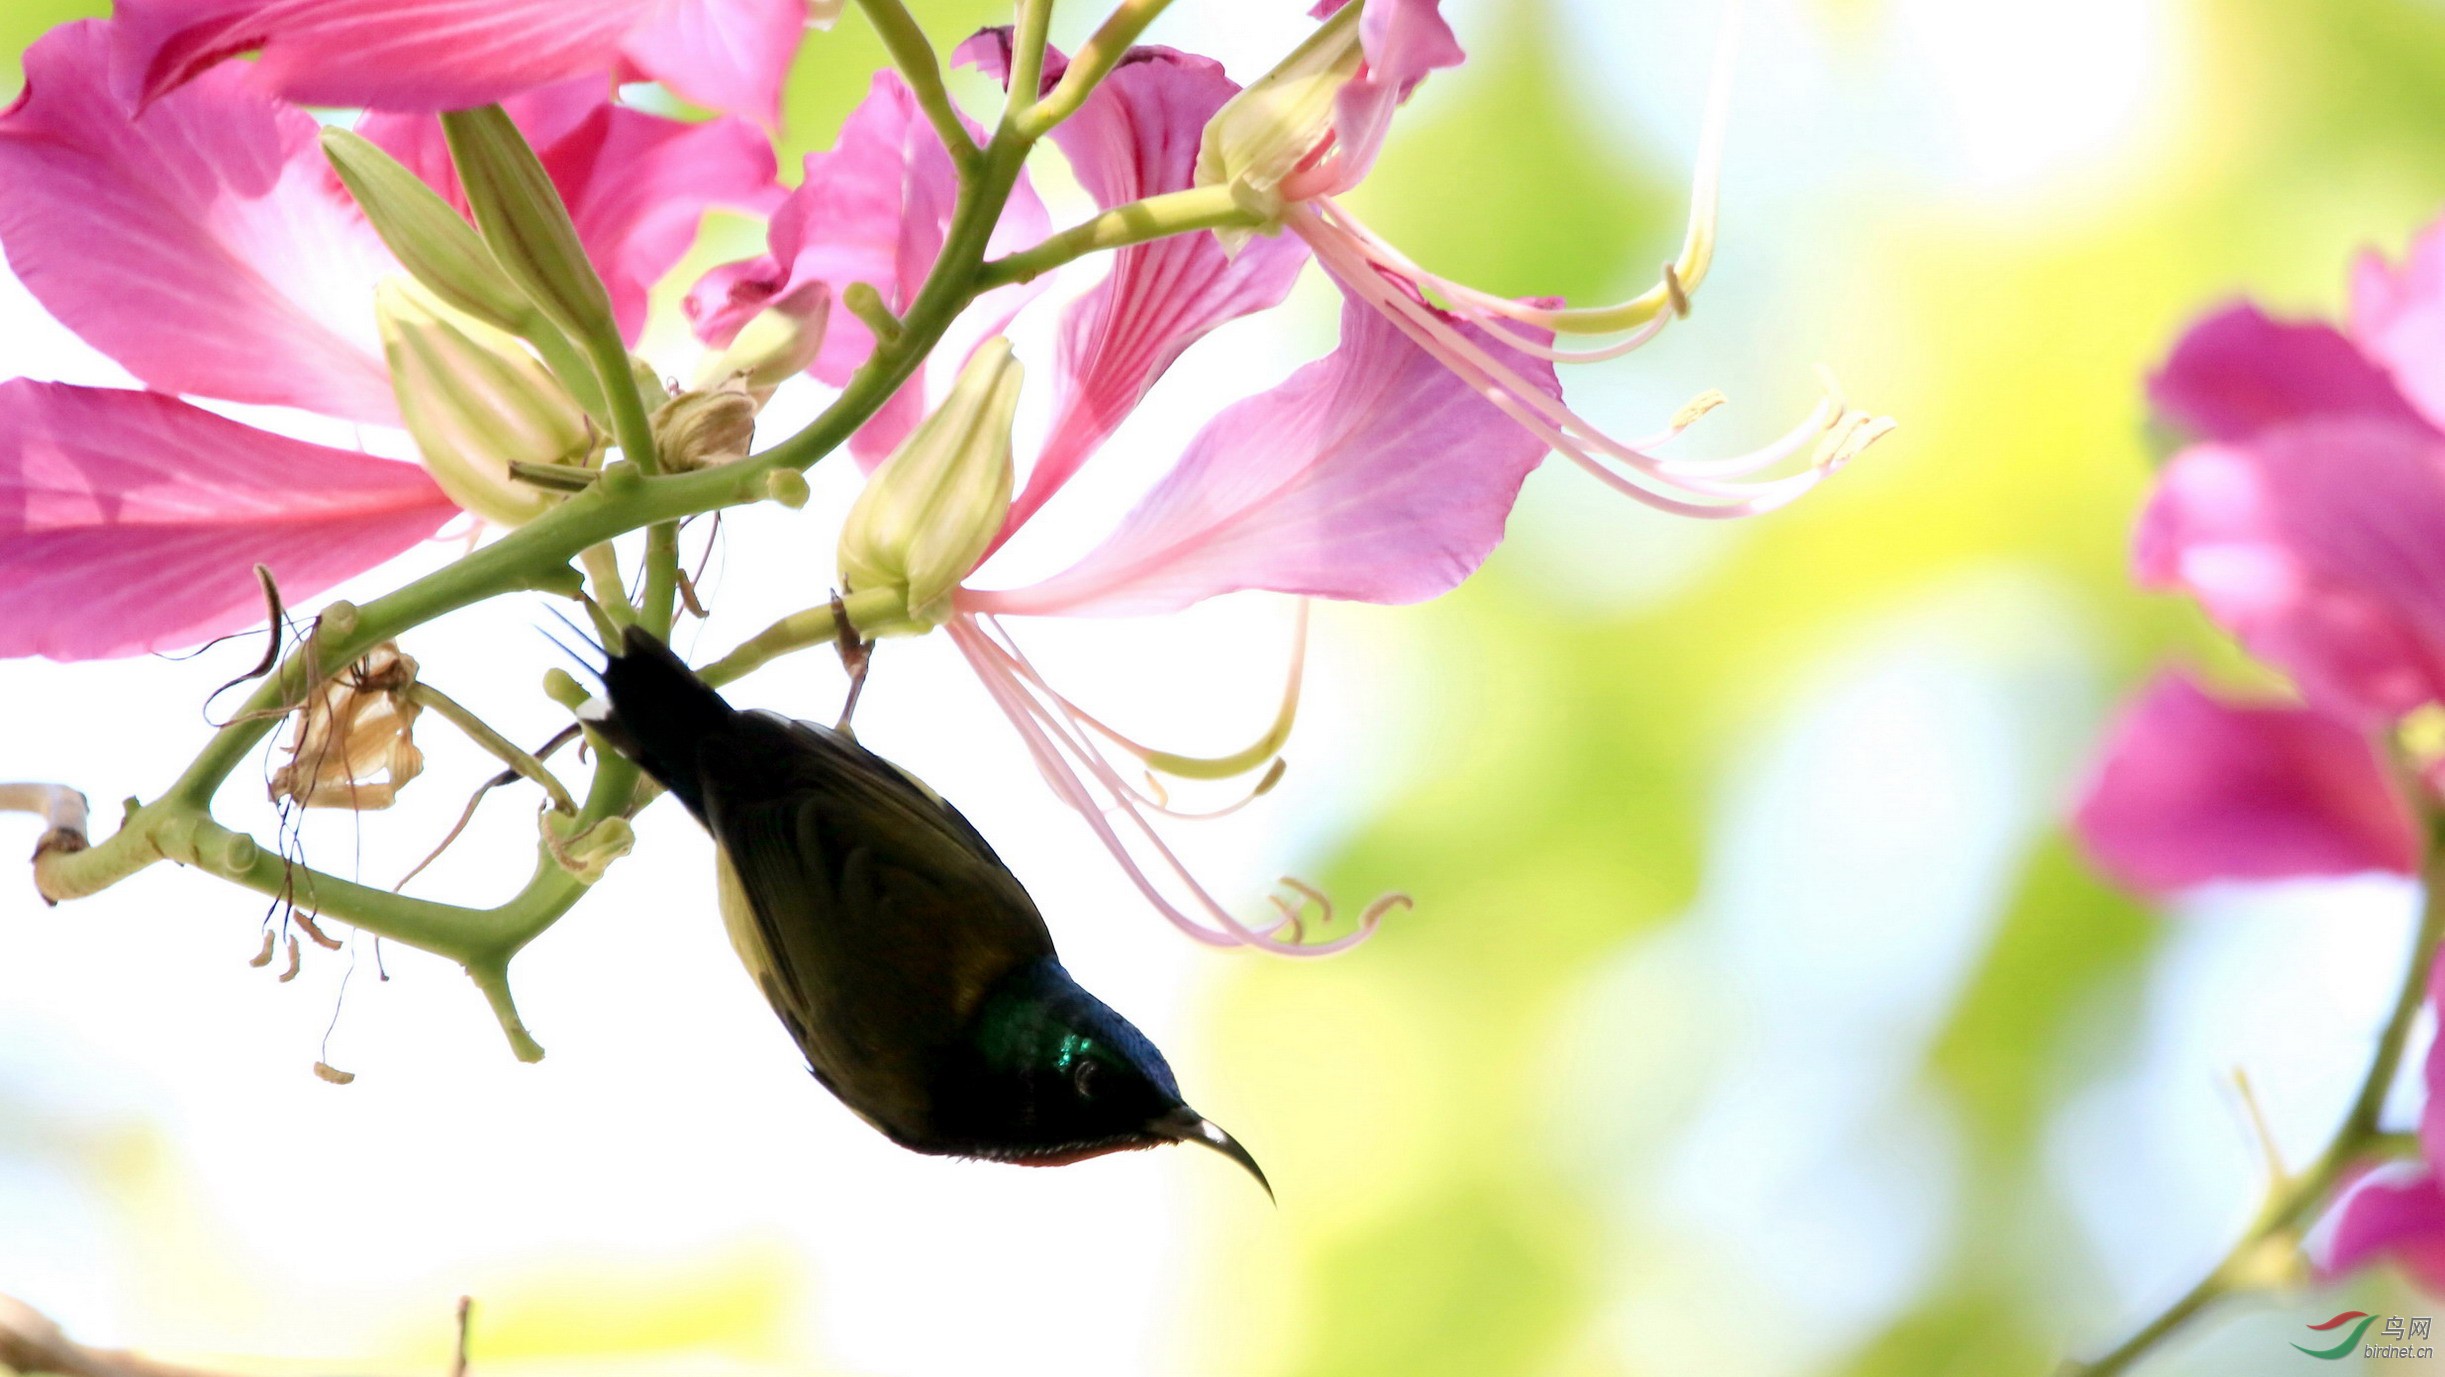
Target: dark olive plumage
point(904, 957)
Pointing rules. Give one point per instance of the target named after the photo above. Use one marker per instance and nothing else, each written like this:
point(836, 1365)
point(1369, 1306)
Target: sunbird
point(905, 958)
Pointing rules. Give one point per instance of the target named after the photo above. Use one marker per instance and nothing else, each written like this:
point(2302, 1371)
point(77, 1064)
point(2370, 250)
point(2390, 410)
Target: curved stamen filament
point(1496, 315)
point(1070, 726)
point(1653, 307)
point(1255, 755)
point(1046, 738)
point(1553, 422)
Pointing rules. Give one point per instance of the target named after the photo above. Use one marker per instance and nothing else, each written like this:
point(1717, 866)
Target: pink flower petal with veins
point(1373, 475)
point(871, 210)
point(2192, 789)
point(433, 55)
point(723, 54)
point(2237, 372)
point(206, 246)
point(1404, 41)
point(875, 210)
point(425, 55)
point(2321, 545)
point(637, 184)
point(1136, 137)
point(132, 522)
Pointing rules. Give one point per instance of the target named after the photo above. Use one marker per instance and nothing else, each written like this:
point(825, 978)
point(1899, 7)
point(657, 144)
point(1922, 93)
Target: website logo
point(2399, 1338)
point(2350, 1341)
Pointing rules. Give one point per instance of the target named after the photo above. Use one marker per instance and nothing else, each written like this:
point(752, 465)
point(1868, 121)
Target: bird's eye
point(1083, 1080)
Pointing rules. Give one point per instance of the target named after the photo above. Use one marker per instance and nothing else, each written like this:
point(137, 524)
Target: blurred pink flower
point(2310, 518)
point(2193, 789)
point(207, 247)
point(435, 55)
point(2397, 1213)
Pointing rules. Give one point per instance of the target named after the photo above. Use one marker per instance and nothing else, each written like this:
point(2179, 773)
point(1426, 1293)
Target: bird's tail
point(657, 712)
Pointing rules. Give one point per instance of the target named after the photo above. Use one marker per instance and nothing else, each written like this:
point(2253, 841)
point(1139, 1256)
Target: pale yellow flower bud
point(1263, 134)
point(476, 402)
point(932, 510)
point(706, 426)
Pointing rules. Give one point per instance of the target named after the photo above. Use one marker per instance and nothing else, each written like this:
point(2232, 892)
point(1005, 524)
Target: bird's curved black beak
point(1186, 1125)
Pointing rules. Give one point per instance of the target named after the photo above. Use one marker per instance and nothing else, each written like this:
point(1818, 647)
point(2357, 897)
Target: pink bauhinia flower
point(1373, 474)
point(2192, 789)
point(433, 55)
point(2309, 518)
point(207, 247)
point(1288, 154)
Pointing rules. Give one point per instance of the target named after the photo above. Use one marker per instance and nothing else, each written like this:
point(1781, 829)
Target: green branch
point(502, 748)
point(913, 54)
point(1027, 43)
point(2274, 1237)
point(1156, 217)
point(1093, 62)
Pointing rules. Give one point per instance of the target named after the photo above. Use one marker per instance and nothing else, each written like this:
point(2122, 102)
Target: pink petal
point(131, 521)
point(723, 54)
point(2237, 372)
point(1372, 474)
point(1404, 41)
point(1137, 137)
point(870, 211)
point(206, 247)
point(1023, 223)
point(2321, 545)
point(423, 55)
point(637, 184)
point(2192, 790)
point(874, 210)
point(2399, 319)
point(2391, 1216)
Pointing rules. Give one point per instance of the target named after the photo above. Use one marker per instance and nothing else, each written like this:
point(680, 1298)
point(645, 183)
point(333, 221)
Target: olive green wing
point(871, 913)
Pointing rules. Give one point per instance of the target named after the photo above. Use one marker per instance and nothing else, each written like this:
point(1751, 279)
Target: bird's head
point(1050, 1074)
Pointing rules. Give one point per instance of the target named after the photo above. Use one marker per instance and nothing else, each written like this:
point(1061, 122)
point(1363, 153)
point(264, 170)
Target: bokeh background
point(1755, 1018)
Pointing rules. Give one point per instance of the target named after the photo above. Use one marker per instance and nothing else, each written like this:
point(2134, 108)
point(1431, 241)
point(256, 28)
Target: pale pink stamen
point(1046, 737)
point(1078, 723)
point(1556, 424)
point(1495, 315)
